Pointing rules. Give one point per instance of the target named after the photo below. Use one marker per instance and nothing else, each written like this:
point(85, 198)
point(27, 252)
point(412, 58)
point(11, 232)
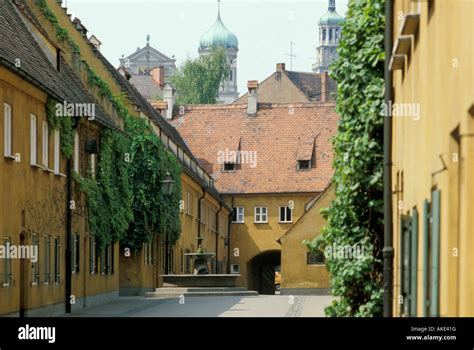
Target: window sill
point(9, 156)
point(5, 285)
point(285, 222)
point(260, 222)
point(60, 174)
point(237, 222)
point(37, 166)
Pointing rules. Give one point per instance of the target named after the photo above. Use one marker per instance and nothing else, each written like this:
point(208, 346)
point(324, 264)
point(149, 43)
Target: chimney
point(252, 103)
point(280, 67)
point(158, 75)
point(169, 98)
point(324, 87)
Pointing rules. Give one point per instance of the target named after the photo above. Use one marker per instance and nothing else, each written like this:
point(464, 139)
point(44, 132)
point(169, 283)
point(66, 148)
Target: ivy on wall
point(124, 201)
point(355, 217)
point(64, 124)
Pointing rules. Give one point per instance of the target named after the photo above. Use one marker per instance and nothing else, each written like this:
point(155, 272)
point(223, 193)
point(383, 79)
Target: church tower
point(329, 36)
point(219, 36)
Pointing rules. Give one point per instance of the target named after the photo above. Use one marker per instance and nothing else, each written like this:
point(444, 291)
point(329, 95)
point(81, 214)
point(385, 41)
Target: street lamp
point(167, 184)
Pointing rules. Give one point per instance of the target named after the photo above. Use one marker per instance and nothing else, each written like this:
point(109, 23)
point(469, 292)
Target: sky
point(264, 29)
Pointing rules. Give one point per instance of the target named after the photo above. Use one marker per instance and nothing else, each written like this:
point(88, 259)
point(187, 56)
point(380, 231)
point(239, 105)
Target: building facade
point(432, 153)
point(329, 36)
point(266, 172)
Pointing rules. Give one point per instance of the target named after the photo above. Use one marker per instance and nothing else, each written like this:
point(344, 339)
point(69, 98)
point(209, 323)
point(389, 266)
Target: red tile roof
point(274, 139)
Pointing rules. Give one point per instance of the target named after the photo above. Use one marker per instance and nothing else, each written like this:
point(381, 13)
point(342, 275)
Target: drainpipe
point(228, 235)
point(203, 189)
point(217, 235)
point(387, 174)
point(68, 272)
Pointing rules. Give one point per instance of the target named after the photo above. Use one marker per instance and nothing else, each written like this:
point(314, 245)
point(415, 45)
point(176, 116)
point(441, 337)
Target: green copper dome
point(331, 18)
point(219, 35)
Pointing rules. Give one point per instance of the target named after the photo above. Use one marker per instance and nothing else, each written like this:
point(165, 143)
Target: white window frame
point(33, 140)
point(262, 212)
point(45, 143)
point(239, 215)
point(7, 130)
point(304, 160)
point(188, 203)
point(286, 215)
point(235, 269)
point(56, 152)
point(76, 152)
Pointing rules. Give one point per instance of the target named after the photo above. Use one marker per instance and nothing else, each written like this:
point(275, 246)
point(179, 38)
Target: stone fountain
point(201, 259)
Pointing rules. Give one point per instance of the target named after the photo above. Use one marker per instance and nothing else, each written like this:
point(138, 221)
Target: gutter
point(203, 189)
point(387, 251)
point(229, 220)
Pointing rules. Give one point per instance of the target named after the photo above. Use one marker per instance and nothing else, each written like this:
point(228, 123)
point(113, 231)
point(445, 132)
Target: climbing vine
point(64, 124)
point(355, 217)
point(124, 201)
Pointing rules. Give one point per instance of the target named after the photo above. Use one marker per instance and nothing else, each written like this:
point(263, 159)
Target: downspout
point(387, 174)
point(217, 236)
point(203, 189)
point(68, 272)
point(228, 234)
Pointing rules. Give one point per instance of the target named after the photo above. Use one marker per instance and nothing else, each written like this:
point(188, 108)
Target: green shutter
point(405, 264)
point(413, 262)
point(435, 246)
point(426, 230)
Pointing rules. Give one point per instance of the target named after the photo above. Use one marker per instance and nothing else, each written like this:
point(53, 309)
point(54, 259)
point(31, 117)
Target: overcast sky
point(264, 29)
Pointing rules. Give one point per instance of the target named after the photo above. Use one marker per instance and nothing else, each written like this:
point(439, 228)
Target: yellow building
point(305, 272)
point(268, 162)
point(45, 279)
point(433, 157)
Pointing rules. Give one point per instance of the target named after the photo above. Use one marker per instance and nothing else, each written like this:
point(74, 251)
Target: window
point(57, 254)
point(315, 258)
point(7, 264)
point(203, 214)
point(109, 259)
point(324, 34)
point(35, 278)
point(235, 268)
point(148, 249)
point(330, 34)
point(188, 203)
point(33, 140)
point(56, 151)
point(76, 253)
point(76, 152)
point(231, 75)
point(286, 214)
point(92, 165)
point(304, 164)
point(92, 255)
point(7, 130)
point(45, 144)
point(229, 166)
point(47, 259)
point(238, 215)
point(261, 215)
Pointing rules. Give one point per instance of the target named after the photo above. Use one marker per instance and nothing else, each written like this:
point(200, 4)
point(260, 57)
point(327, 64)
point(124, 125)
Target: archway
point(262, 271)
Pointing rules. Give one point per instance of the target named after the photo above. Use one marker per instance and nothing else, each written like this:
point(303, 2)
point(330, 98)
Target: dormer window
point(229, 166)
point(304, 164)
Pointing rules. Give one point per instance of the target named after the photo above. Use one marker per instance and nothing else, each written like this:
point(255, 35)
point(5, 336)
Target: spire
point(219, 9)
point(332, 5)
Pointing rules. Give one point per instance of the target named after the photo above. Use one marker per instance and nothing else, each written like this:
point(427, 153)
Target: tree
point(355, 217)
point(197, 80)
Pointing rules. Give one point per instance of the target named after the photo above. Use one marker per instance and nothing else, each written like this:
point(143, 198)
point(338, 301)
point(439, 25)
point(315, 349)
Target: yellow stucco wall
point(295, 272)
point(439, 75)
point(249, 239)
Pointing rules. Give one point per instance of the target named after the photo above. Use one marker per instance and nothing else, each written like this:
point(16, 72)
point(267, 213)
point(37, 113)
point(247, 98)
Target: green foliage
point(125, 202)
point(198, 80)
point(355, 217)
point(153, 212)
point(64, 124)
point(109, 195)
point(61, 33)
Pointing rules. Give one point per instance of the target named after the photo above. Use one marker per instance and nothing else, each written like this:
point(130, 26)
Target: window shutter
point(414, 262)
point(435, 240)
point(426, 228)
point(33, 134)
